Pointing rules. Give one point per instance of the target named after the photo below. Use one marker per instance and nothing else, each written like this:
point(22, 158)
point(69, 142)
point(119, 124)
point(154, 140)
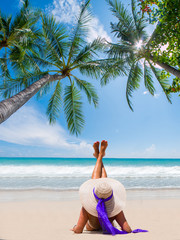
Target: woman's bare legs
point(99, 170)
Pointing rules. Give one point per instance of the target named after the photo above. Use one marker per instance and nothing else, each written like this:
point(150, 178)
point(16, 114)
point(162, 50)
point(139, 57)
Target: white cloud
point(149, 152)
point(145, 92)
point(151, 149)
point(28, 127)
point(66, 11)
point(96, 29)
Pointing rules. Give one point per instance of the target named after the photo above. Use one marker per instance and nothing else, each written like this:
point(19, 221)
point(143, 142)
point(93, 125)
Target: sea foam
point(13, 171)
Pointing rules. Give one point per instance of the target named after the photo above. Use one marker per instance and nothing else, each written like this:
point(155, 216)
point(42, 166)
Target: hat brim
point(114, 206)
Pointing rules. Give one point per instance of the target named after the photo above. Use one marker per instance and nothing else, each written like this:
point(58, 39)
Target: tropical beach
point(47, 205)
point(41, 218)
point(89, 126)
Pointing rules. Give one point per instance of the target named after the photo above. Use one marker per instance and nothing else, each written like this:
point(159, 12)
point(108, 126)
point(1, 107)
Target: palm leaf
point(148, 81)
point(133, 82)
point(5, 74)
point(56, 33)
point(47, 88)
point(89, 51)
point(112, 68)
point(125, 28)
point(55, 103)
point(120, 50)
point(164, 83)
point(90, 69)
point(73, 109)
point(14, 86)
point(80, 31)
point(139, 20)
point(88, 89)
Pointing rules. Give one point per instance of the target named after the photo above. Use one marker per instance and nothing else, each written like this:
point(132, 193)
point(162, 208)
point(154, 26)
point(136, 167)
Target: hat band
point(106, 225)
point(102, 199)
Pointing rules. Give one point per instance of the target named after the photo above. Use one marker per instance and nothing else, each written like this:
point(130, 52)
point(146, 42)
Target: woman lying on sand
point(103, 200)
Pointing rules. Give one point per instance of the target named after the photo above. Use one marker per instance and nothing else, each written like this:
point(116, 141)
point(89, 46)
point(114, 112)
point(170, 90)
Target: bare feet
point(96, 149)
point(104, 145)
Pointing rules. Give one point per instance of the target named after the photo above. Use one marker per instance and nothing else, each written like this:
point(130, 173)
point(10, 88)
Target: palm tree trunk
point(11, 105)
point(166, 67)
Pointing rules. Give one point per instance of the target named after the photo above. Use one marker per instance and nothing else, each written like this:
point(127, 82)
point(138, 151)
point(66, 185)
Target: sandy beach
point(44, 215)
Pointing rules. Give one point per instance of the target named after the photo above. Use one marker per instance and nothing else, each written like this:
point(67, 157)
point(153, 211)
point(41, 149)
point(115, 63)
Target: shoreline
point(65, 195)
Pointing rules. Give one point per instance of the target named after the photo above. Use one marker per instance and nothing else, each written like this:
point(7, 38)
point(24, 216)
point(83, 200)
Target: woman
point(98, 193)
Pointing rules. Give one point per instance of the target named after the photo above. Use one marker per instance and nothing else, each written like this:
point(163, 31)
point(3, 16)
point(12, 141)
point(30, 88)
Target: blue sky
point(152, 130)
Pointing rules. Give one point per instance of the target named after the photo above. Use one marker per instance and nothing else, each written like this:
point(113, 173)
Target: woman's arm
point(83, 218)
point(121, 220)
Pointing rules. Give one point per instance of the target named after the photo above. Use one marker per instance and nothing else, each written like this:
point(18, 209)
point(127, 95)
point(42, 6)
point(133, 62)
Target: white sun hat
point(103, 189)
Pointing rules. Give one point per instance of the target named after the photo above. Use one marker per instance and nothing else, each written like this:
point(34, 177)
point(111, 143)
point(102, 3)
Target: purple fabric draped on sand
point(106, 225)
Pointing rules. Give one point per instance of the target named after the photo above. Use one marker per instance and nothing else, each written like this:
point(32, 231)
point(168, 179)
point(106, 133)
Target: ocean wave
point(53, 171)
point(22, 188)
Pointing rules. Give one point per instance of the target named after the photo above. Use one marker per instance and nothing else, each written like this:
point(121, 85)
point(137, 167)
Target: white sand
point(47, 216)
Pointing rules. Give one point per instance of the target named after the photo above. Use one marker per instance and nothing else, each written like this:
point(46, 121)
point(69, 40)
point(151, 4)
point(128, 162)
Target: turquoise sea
point(70, 173)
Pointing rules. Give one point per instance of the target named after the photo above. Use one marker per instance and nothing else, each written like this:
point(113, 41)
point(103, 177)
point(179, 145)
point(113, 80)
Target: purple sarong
point(106, 225)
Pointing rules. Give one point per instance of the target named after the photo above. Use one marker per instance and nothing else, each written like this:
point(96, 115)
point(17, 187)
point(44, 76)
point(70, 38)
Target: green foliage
point(175, 87)
point(148, 81)
point(59, 52)
point(73, 109)
point(80, 31)
point(133, 48)
point(133, 81)
point(88, 89)
point(166, 14)
point(12, 86)
point(19, 38)
point(55, 38)
point(54, 105)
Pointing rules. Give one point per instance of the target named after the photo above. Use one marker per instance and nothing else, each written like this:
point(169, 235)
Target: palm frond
point(120, 50)
point(5, 25)
point(89, 51)
point(164, 83)
point(80, 31)
point(112, 68)
point(120, 12)
point(22, 26)
point(139, 20)
point(73, 109)
point(124, 33)
point(134, 78)
point(148, 81)
point(5, 74)
point(56, 34)
point(55, 103)
point(14, 86)
point(125, 28)
point(46, 89)
point(42, 62)
point(88, 89)
point(23, 60)
point(91, 69)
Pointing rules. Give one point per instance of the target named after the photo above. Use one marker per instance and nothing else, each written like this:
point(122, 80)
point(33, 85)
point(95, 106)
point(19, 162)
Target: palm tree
point(18, 37)
point(133, 47)
point(63, 55)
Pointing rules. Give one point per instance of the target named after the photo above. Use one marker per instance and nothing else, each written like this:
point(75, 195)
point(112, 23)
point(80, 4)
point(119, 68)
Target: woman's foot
point(96, 149)
point(104, 145)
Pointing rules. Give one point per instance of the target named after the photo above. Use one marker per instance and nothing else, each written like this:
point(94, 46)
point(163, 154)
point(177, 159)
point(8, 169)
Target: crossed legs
point(99, 169)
